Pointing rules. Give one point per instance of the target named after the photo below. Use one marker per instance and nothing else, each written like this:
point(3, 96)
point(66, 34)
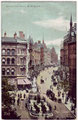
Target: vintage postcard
point(38, 60)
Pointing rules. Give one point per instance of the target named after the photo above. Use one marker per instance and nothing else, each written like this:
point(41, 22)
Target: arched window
point(3, 61)
point(8, 51)
point(3, 71)
point(13, 61)
point(8, 71)
point(8, 61)
point(12, 71)
point(13, 52)
point(3, 52)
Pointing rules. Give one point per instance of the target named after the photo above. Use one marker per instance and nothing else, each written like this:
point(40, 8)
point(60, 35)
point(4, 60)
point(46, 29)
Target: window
point(8, 71)
point(22, 69)
point(3, 71)
point(3, 51)
point(22, 51)
point(3, 61)
point(22, 60)
point(8, 61)
point(12, 71)
point(13, 61)
point(8, 51)
point(13, 52)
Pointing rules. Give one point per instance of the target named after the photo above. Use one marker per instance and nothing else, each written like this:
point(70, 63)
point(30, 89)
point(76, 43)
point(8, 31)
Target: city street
point(38, 60)
point(46, 76)
point(62, 108)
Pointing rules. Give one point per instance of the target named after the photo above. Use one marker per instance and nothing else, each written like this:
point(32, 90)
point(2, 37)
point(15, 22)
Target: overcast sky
point(48, 19)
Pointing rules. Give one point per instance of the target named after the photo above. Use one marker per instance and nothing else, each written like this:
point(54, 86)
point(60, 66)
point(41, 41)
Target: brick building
point(72, 68)
point(36, 53)
point(68, 57)
point(14, 52)
point(62, 56)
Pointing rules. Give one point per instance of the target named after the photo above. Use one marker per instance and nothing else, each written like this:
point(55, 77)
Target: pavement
point(22, 111)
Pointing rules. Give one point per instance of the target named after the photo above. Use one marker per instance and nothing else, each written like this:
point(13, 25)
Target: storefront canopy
point(24, 82)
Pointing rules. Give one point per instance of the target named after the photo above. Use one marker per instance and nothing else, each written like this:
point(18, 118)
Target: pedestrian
point(18, 102)
point(55, 107)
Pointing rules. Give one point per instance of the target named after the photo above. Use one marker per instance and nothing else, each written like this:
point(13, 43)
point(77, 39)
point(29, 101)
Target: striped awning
point(24, 82)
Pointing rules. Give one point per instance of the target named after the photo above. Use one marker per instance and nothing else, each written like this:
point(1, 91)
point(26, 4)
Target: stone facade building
point(14, 51)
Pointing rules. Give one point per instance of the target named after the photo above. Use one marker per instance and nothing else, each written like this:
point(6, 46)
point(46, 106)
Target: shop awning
point(24, 82)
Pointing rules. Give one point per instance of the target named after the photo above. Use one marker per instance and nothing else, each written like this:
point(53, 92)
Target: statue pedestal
point(34, 86)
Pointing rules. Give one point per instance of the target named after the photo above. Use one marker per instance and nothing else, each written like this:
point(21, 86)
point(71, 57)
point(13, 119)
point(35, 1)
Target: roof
point(13, 40)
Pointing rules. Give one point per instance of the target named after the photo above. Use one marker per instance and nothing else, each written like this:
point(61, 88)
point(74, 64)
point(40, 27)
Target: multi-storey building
point(36, 54)
point(68, 57)
point(47, 57)
point(62, 56)
point(54, 56)
point(14, 52)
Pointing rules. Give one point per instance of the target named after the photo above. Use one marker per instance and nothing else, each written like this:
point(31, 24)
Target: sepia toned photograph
point(38, 60)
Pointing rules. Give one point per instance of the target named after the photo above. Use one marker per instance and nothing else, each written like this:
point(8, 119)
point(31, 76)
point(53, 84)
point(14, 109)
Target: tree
point(7, 111)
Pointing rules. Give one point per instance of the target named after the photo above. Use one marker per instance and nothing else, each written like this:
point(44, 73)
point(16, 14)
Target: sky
point(42, 20)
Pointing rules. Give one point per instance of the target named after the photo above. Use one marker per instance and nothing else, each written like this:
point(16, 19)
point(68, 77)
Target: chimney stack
point(5, 34)
point(15, 35)
point(39, 41)
point(43, 41)
point(21, 35)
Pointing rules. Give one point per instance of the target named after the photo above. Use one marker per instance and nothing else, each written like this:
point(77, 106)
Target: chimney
point(5, 34)
point(43, 42)
point(15, 35)
point(21, 35)
point(39, 41)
